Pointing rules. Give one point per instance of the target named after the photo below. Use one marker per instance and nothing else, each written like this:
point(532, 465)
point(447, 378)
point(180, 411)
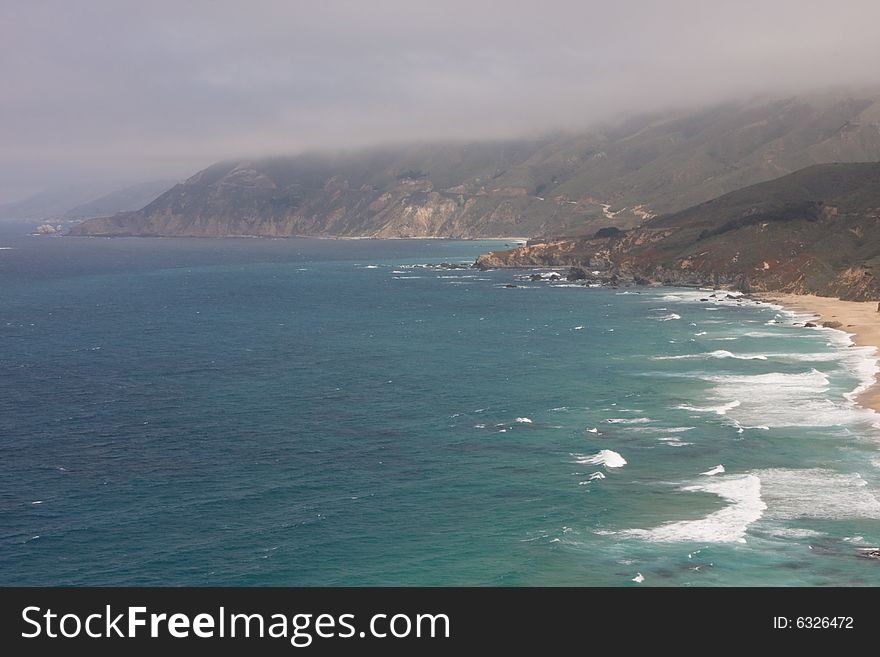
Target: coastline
point(860, 319)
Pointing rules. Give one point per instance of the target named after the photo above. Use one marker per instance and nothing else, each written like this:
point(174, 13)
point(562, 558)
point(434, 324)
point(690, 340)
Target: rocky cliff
point(816, 231)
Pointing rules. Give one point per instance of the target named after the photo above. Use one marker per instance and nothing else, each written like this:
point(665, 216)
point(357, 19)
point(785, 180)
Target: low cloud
point(102, 90)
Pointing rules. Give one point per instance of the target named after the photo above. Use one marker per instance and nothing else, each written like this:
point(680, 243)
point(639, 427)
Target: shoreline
point(859, 319)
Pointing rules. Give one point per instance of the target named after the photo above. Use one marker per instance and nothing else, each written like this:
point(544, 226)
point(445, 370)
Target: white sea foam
point(718, 469)
point(863, 362)
point(674, 441)
point(699, 333)
point(625, 420)
point(722, 409)
point(597, 475)
point(593, 430)
point(523, 420)
point(780, 399)
point(667, 318)
point(639, 578)
point(578, 328)
point(606, 457)
point(743, 492)
point(817, 493)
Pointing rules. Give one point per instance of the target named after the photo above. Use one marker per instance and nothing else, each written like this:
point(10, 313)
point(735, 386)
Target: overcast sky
point(132, 91)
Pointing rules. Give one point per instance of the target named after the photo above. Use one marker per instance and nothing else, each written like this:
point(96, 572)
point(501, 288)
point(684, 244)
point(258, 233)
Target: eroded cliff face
point(246, 202)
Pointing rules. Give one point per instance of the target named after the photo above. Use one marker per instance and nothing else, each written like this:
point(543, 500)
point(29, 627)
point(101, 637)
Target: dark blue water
point(285, 412)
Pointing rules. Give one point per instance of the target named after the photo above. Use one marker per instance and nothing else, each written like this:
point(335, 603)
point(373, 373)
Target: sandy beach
point(860, 318)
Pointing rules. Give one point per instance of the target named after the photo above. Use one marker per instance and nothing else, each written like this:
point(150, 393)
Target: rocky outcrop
point(795, 234)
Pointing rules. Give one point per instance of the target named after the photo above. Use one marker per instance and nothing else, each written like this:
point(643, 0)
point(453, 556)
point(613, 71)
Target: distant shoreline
point(301, 237)
point(860, 319)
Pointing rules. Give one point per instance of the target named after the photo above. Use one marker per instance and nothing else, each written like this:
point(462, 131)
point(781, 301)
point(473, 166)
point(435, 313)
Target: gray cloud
point(101, 89)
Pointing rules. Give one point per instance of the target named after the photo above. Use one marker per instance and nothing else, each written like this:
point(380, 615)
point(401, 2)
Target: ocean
point(329, 412)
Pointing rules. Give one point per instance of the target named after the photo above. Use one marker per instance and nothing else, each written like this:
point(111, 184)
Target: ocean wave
point(626, 420)
point(718, 353)
point(727, 525)
point(606, 457)
point(718, 469)
point(523, 420)
point(721, 353)
point(667, 318)
point(796, 532)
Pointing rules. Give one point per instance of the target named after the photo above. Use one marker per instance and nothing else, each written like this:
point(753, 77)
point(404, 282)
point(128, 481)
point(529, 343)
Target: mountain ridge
point(562, 185)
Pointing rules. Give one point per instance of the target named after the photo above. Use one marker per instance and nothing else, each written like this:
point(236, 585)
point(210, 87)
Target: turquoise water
point(317, 412)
